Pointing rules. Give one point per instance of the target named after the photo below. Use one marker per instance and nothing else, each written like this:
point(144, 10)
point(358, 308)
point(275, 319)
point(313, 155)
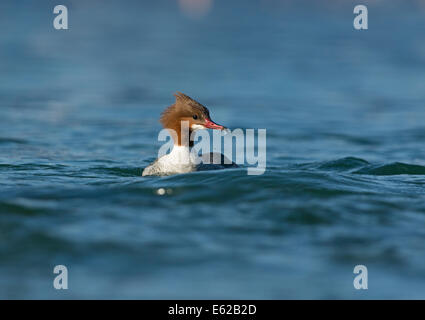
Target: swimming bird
point(188, 112)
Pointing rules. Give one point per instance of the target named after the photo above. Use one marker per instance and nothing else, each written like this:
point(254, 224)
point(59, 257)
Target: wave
point(21, 209)
point(392, 169)
point(343, 164)
point(361, 166)
point(4, 140)
point(118, 171)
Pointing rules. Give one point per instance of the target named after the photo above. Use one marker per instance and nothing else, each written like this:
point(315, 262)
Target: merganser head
point(187, 109)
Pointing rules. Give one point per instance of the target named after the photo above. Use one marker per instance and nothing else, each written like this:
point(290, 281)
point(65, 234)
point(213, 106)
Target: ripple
point(392, 169)
point(118, 171)
point(4, 140)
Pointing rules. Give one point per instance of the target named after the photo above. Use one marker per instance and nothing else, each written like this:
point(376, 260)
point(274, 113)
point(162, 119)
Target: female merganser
point(181, 159)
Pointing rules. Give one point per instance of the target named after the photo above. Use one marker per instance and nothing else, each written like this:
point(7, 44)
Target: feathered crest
point(186, 100)
point(184, 104)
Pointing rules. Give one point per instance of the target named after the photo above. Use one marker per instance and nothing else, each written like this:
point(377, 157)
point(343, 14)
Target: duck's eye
point(195, 117)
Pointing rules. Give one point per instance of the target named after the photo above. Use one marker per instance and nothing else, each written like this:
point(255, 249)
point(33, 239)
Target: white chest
point(179, 160)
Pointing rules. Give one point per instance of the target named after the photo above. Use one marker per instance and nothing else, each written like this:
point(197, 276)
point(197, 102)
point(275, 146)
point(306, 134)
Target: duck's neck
point(181, 137)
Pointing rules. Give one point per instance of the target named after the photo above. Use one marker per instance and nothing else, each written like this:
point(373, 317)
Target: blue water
point(345, 181)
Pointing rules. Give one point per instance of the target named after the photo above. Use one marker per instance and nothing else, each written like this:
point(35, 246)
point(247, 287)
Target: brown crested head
point(187, 109)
